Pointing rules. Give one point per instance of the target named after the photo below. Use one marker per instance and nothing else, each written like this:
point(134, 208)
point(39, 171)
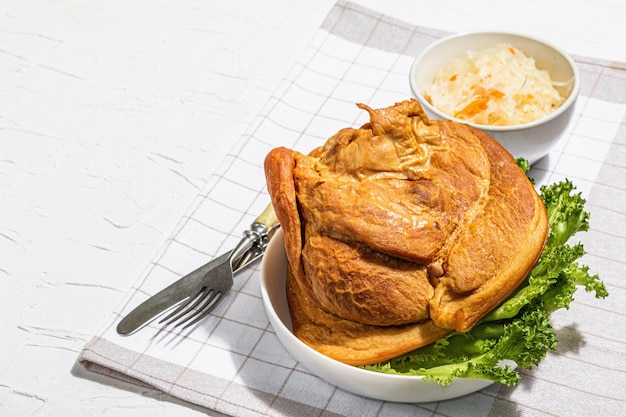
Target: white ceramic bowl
point(387, 387)
point(531, 140)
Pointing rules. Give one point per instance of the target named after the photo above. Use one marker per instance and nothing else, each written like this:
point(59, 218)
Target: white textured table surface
point(112, 116)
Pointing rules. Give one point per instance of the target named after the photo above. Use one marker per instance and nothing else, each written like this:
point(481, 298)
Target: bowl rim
point(450, 38)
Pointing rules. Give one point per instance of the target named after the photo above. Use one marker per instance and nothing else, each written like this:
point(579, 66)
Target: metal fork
point(196, 295)
point(219, 281)
point(215, 284)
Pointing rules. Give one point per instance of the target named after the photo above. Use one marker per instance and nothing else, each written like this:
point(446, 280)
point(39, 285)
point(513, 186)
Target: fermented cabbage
point(496, 86)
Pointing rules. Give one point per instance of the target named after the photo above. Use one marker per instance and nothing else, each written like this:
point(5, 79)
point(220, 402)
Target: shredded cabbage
point(498, 86)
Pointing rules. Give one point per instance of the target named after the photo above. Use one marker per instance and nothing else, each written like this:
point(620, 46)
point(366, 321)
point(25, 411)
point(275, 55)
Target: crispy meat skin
point(400, 231)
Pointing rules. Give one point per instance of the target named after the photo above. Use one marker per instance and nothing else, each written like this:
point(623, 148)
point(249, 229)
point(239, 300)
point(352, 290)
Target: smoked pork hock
point(401, 231)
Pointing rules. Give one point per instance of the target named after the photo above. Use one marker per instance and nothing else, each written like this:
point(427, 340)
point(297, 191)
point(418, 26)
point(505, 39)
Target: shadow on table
point(540, 169)
point(488, 402)
point(570, 340)
point(144, 391)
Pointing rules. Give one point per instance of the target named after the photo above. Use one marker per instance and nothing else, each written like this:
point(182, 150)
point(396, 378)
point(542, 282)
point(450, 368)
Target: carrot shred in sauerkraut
point(498, 86)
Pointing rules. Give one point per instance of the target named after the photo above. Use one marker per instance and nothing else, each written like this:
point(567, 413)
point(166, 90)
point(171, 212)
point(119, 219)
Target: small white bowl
point(398, 388)
point(531, 140)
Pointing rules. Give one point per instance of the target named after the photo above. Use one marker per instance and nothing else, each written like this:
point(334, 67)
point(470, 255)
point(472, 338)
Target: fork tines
point(194, 309)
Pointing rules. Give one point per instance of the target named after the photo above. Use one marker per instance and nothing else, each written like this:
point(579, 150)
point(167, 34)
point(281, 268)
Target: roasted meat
point(401, 231)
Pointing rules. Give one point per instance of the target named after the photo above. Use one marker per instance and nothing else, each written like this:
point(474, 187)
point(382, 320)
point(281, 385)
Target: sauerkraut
point(498, 86)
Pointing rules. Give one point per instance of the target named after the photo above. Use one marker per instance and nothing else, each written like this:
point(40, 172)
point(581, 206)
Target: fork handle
point(267, 218)
point(258, 232)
